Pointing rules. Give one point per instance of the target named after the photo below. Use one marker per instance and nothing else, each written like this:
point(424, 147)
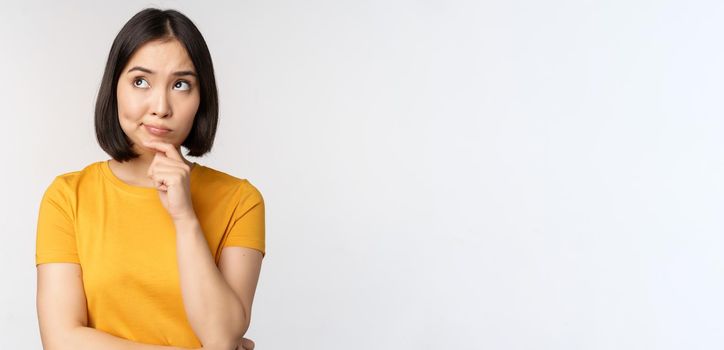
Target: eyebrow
point(146, 70)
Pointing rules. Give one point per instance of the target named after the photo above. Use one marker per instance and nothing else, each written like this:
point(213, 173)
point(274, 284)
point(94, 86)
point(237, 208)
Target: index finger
point(166, 148)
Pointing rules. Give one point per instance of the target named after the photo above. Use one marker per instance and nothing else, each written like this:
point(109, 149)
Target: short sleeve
point(55, 234)
point(248, 224)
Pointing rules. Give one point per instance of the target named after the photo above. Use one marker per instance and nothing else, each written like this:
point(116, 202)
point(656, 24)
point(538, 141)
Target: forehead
point(162, 56)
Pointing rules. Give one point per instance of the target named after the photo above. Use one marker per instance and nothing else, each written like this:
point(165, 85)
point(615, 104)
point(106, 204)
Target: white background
point(437, 174)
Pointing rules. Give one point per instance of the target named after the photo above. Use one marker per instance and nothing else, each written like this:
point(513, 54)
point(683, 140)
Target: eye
point(139, 82)
point(180, 85)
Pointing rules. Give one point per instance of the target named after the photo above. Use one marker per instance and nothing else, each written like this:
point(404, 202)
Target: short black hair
point(147, 25)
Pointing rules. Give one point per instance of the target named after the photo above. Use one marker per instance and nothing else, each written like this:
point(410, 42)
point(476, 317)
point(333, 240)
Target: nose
point(160, 104)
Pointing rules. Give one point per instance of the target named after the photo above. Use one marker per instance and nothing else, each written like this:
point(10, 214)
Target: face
point(158, 88)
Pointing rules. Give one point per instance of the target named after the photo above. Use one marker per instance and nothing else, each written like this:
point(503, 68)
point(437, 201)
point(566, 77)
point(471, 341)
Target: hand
point(171, 175)
point(245, 344)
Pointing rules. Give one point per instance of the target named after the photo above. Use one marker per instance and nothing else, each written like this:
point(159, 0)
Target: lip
point(156, 130)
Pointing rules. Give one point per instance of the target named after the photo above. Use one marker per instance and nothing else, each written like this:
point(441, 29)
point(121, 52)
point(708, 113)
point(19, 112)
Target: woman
point(148, 250)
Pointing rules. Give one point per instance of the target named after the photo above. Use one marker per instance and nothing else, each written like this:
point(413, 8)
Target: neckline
point(147, 191)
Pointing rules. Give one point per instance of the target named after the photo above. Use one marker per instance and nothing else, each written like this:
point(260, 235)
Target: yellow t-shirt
point(124, 241)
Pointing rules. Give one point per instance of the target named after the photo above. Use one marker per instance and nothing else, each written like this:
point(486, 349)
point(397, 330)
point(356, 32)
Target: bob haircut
point(148, 25)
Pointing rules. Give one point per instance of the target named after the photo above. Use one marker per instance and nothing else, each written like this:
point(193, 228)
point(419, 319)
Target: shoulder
point(214, 179)
point(221, 187)
point(70, 180)
point(61, 192)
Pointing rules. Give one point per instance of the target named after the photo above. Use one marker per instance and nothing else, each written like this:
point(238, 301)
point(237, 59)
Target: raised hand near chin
point(171, 176)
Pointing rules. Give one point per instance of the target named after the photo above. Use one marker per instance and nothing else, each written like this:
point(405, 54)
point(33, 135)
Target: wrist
point(186, 221)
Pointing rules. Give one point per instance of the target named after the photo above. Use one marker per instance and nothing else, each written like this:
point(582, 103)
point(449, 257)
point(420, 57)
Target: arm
point(63, 317)
point(215, 312)
point(240, 267)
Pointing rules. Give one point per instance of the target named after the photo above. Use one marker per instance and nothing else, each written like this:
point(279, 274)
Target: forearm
point(86, 338)
point(214, 311)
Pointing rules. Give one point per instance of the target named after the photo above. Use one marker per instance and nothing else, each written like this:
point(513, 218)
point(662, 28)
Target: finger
point(161, 159)
point(155, 161)
point(164, 177)
point(245, 345)
point(163, 162)
point(169, 172)
point(163, 147)
point(160, 184)
point(248, 344)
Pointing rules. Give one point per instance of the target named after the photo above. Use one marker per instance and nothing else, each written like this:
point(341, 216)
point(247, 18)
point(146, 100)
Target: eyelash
point(144, 79)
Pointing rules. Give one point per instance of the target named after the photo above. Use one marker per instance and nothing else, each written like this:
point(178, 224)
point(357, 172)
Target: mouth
point(158, 131)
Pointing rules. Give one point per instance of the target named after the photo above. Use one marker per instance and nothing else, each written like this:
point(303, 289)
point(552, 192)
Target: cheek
point(129, 106)
point(189, 106)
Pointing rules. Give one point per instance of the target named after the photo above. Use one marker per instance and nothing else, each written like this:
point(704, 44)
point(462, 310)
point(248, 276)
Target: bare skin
point(157, 87)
